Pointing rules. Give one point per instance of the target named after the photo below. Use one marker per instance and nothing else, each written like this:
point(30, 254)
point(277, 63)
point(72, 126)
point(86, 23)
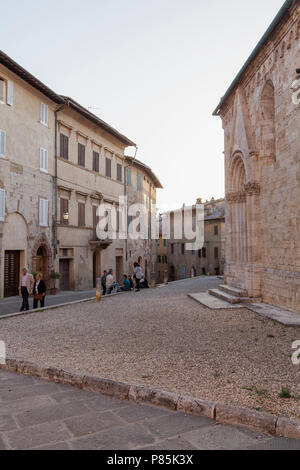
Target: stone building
point(184, 263)
point(27, 171)
point(262, 167)
point(162, 254)
point(58, 162)
point(141, 186)
point(90, 170)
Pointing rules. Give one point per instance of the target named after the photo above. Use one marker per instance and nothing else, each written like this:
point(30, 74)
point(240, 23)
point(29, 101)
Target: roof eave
point(280, 15)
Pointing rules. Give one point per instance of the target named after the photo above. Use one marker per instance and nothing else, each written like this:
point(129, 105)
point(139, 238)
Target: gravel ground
point(161, 338)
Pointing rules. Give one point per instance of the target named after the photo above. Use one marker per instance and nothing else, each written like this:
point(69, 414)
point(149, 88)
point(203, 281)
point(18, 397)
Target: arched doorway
point(238, 211)
point(172, 274)
point(42, 258)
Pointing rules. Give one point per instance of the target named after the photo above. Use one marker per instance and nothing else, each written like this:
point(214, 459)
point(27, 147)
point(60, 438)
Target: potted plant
point(54, 276)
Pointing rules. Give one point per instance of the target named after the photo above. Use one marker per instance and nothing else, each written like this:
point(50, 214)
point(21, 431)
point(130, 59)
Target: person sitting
point(131, 282)
point(39, 292)
point(111, 283)
point(126, 284)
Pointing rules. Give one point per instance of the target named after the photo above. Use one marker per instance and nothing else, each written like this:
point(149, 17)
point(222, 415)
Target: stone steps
point(230, 298)
point(233, 291)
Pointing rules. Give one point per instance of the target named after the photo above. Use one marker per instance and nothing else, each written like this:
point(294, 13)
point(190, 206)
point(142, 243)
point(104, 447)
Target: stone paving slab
point(281, 315)
point(209, 301)
point(37, 415)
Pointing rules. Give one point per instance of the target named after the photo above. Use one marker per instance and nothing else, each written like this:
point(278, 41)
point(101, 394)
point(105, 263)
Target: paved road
point(35, 414)
point(13, 304)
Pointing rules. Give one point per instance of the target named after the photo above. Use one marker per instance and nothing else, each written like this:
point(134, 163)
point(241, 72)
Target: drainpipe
point(125, 193)
point(60, 108)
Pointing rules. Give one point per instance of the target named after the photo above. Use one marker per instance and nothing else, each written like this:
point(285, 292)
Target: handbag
point(38, 296)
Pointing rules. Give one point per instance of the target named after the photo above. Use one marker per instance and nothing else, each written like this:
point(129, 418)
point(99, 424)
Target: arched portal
point(42, 257)
point(238, 211)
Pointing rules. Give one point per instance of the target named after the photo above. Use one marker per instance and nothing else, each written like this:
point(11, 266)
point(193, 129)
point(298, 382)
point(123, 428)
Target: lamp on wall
point(66, 216)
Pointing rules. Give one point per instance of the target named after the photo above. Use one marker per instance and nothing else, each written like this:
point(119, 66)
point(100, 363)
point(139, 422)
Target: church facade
point(261, 123)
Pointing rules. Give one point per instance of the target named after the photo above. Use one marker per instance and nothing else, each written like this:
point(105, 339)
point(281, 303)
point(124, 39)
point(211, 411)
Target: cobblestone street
point(39, 415)
point(161, 338)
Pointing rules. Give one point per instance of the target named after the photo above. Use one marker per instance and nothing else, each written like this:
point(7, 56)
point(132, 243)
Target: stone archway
point(42, 257)
point(237, 223)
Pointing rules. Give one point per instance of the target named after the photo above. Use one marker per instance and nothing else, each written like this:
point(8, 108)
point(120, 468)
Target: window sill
point(46, 172)
point(44, 124)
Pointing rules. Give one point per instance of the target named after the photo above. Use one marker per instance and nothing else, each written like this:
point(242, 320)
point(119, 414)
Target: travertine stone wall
point(262, 168)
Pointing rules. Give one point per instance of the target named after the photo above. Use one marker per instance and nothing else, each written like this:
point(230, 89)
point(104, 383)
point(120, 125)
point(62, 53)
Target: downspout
point(125, 194)
point(60, 108)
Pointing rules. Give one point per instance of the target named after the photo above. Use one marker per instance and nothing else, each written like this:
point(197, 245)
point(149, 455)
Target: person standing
point(39, 292)
point(138, 275)
point(109, 283)
point(103, 282)
point(26, 288)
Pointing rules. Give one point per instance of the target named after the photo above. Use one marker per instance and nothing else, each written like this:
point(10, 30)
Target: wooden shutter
point(44, 114)
point(64, 146)
point(108, 167)
point(10, 93)
point(81, 155)
point(2, 205)
point(96, 162)
point(81, 214)
point(119, 172)
point(2, 143)
point(44, 160)
point(1, 90)
point(43, 213)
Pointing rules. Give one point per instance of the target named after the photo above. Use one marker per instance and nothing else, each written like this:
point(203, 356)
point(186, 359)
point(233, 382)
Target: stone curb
point(229, 414)
point(52, 307)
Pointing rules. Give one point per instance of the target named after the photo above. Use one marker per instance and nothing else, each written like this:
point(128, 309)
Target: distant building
point(209, 260)
point(140, 188)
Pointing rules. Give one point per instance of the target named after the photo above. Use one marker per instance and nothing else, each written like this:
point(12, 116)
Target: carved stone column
point(254, 267)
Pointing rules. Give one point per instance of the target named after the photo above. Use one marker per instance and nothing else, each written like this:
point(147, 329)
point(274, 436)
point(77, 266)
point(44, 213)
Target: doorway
point(64, 269)
point(119, 269)
point(11, 273)
point(96, 268)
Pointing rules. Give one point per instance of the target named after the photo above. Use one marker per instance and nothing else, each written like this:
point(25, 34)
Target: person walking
point(39, 292)
point(26, 288)
point(103, 282)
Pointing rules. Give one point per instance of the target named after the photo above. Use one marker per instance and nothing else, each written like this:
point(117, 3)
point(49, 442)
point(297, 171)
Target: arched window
point(268, 121)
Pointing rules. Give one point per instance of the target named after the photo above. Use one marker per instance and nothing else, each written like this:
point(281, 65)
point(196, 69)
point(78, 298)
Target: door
point(11, 273)
point(119, 269)
point(96, 268)
point(64, 269)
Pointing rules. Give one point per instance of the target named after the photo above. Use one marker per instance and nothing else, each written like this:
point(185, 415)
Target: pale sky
point(154, 69)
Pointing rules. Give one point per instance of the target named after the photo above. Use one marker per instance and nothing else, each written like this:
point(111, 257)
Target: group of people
point(108, 282)
point(32, 287)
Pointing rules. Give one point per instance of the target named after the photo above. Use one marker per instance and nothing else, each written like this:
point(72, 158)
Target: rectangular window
point(216, 230)
point(44, 160)
point(165, 242)
point(108, 167)
point(64, 211)
point(81, 214)
point(2, 90)
point(64, 146)
point(216, 252)
point(81, 155)
point(10, 93)
point(172, 249)
point(203, 252)
point(2, 143)
point(139, 182)
point(43, 213)
point(182, 248)
point(44, 114)
point(128, 176)
point(2, 205)
point(96, 161)
point(159, 259)
point(119, 172)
